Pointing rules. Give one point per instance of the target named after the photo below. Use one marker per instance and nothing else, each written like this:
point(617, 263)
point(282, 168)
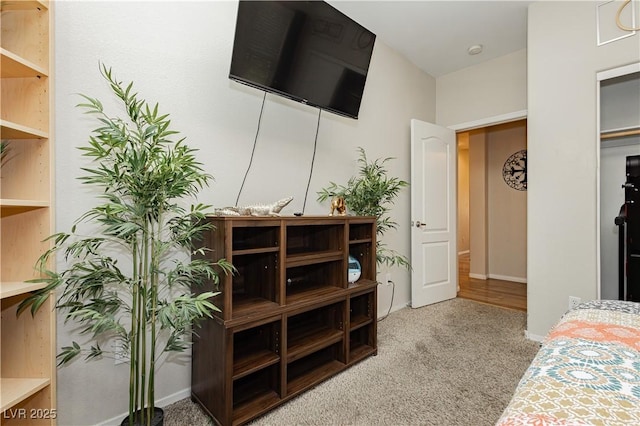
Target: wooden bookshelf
point(27, 356)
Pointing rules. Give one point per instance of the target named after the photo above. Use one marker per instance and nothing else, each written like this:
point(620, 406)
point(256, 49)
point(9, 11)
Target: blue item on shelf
point(355, 270)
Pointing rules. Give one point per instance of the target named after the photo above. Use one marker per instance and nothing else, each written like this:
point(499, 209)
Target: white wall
point(463, 192)
point(177, 54)
point(506, 207)
point(619, 105)
point(475, 94)
point(478, 229)
point(563, 59)
point(489, 89)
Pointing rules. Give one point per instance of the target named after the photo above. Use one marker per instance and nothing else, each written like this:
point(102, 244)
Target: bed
point(587, 372)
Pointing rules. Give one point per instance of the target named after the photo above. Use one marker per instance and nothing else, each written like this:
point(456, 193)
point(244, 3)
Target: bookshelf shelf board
point(296, 260)
point(15, 390)
point(14, 66)
point(254, 362)
point(311, 342)
point(360, 321)
point(23, 5)
point(11, 130)
point(359, 352)
point(313, 377)
point(15, 288)
point(246, 411)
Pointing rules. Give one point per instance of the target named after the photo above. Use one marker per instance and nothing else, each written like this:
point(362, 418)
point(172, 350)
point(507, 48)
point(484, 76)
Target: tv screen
point(304, 50)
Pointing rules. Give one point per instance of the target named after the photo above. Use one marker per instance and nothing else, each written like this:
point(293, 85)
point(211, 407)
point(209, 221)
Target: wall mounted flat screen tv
point(307, 51)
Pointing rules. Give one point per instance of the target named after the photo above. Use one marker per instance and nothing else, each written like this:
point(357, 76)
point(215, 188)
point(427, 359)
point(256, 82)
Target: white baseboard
point(477, 276)
point(534, 337)
point(508, 278)
point(162, 402)
point(498, 277)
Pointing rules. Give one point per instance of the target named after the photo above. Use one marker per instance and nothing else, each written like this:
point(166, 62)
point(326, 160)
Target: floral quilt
point(587, 372)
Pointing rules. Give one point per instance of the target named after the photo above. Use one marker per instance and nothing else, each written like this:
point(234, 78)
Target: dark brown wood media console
point(289, 317)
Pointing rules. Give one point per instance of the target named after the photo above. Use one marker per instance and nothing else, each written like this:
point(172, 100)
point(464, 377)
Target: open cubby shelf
point(263, 238)
point(288, 318)
point(255, 348)
point(359, 351)
point(244, 412)
point(312, 294)
point(359, 321)
point(312, 369)
point(253, 362)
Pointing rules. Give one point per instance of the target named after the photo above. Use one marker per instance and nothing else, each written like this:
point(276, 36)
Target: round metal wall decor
point(514, 171)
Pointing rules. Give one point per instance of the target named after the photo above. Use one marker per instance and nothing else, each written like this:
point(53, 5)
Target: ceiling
point(435, 35)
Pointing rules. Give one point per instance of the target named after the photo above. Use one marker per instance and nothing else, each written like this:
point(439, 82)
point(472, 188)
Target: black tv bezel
point(299, 99)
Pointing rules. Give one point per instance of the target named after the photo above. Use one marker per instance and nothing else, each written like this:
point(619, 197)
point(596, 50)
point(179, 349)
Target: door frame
point(490, 121)
point(487, 122)
point(600, 77)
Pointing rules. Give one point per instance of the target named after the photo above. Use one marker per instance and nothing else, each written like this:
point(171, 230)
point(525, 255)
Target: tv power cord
point(393, 291)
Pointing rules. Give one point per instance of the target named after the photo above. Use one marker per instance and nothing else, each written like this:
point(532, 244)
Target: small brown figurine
point(337, 203)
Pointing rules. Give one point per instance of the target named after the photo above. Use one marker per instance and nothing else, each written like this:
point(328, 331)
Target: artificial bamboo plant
point(371, 193)
point(124, 282)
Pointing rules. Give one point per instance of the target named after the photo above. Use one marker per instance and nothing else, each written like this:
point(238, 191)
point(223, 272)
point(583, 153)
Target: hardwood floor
point(494, 292)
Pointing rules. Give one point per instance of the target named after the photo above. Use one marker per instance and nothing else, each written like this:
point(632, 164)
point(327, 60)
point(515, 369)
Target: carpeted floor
point(452, 363)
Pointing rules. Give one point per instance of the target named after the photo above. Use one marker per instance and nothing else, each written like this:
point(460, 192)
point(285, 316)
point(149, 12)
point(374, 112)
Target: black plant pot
point(158, 418)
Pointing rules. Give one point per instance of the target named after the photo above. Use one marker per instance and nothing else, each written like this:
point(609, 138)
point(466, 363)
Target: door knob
point(420, 224)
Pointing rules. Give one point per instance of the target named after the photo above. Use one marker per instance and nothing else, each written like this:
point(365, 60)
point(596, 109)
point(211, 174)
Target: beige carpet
point(452, 363)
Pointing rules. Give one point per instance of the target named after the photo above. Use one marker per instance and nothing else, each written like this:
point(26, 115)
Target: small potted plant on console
point(371, 193)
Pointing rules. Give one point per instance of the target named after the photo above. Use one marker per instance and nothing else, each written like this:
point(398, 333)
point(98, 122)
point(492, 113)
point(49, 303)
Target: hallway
point(495, 202)
point(507, 294)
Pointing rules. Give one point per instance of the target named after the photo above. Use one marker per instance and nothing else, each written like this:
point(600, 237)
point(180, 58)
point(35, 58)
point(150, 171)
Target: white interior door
point(433, 214)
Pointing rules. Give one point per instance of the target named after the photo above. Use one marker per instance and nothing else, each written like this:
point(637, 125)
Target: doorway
point(492, 206)
point(619, 129)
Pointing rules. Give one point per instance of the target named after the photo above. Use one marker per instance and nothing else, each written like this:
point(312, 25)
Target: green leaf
point(68, 353)
point(94, 352)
